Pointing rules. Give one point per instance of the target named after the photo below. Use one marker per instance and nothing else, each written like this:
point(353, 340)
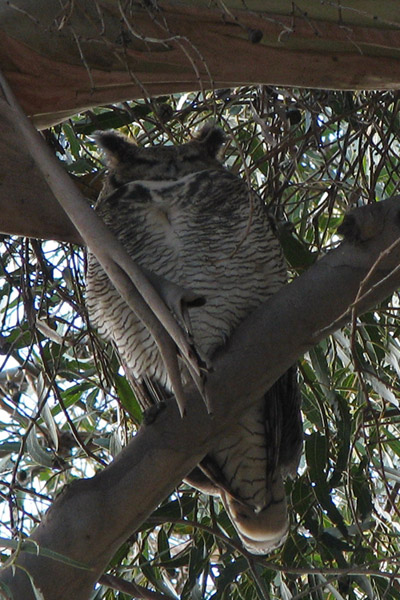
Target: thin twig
point(133, 589)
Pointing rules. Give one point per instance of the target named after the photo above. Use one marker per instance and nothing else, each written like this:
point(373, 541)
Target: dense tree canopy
point(67, 408)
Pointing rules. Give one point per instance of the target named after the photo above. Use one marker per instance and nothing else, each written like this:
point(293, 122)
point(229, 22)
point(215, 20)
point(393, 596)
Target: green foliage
point(66, 409)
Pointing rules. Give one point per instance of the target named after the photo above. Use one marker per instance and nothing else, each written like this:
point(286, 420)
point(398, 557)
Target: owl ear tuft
point(117, 148)
point(212, 137)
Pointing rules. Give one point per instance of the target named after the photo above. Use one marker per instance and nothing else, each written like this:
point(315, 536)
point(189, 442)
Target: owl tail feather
point(260, 531)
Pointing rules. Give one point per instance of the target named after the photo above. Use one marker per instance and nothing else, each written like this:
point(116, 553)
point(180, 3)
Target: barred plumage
point(182, 215)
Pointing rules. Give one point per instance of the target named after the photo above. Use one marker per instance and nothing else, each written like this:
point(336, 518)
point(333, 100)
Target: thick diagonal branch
point(93, 517)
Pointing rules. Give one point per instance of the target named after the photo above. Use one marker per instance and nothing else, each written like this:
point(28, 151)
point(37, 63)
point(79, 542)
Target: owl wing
point(261, 528)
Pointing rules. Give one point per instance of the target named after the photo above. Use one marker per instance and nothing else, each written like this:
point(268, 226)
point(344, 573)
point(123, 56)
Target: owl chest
point(153, 237)
point(165, 238)
point(199, 242)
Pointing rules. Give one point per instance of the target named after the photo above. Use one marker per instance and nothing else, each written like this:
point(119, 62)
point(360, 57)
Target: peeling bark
point(27, 205)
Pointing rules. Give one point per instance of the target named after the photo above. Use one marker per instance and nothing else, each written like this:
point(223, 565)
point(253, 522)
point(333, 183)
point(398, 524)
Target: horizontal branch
point(100, 55)
point(259, 351)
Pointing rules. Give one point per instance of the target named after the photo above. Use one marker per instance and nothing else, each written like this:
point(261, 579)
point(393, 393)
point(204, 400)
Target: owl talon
point(151, 413)
point(181, 402)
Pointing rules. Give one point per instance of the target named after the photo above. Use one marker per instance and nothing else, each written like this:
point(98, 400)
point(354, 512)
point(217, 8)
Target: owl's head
point(128, 162)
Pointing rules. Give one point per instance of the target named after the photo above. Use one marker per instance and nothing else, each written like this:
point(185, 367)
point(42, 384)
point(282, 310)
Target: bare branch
point(128, 587)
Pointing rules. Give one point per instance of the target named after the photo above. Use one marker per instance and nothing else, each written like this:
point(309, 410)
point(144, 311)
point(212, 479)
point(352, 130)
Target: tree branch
point(127, 277)
point(60, 67)
point(135, 590)
point(28, 206)
point(260, 350)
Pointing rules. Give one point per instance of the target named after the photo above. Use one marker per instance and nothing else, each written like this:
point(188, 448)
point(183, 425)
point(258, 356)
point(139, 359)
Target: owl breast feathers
point(181, 214)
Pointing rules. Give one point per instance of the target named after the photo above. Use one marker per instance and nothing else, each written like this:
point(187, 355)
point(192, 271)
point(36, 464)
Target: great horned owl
point(182, 215)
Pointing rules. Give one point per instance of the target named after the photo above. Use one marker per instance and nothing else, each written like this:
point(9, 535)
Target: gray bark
point(90, 520)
